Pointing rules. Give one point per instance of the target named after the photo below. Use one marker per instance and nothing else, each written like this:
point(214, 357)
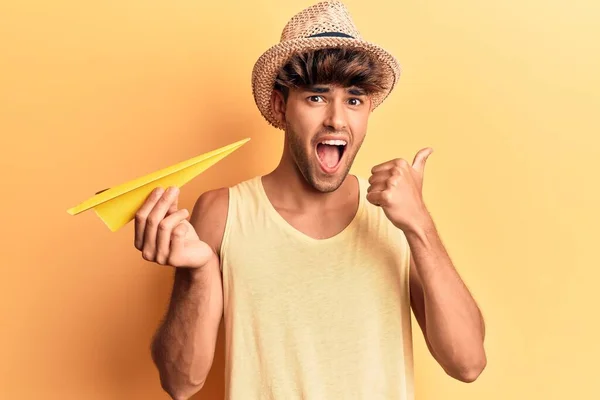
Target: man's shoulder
point(363, 184)
point(361, 179)
point(217, 198)
point(209, 215)
point(212, 200)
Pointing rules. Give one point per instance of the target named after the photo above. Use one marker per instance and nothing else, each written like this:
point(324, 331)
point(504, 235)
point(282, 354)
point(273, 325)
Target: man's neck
point(287, 188)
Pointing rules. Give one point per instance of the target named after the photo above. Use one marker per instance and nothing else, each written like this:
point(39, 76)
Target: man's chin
point(326, 183)
point(326, 187)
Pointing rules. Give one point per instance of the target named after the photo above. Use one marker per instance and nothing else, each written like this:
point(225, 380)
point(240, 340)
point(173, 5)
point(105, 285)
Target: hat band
point(331, 34)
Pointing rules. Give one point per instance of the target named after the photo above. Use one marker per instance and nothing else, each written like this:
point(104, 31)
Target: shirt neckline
point(280, 220)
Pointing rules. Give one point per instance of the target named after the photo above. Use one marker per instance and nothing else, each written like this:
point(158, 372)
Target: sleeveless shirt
point(314, 319)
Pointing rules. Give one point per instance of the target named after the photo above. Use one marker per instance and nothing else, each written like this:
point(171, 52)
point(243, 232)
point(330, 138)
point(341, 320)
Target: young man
point(314, 271)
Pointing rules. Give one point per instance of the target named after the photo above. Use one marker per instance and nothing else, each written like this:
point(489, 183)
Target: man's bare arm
point(450, 319)
point(184, 345)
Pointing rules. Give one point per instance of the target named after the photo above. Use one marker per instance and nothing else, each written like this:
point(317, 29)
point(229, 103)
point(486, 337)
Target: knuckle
point(179, 231)
point(387, 196)
point(161, 259)
point(148, 255)
point(163, 225)
point(140, 217)
point(152, 222)
point(172, 260)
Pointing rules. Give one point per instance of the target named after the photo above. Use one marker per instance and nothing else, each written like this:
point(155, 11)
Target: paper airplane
point(117, 206)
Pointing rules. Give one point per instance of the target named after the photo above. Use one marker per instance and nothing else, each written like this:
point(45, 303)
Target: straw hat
point(323, 25)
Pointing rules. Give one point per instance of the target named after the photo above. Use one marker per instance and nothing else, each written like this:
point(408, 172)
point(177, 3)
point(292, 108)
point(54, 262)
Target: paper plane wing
point(117, 206)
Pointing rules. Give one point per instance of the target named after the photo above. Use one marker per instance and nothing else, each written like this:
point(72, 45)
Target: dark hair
point(343, 66)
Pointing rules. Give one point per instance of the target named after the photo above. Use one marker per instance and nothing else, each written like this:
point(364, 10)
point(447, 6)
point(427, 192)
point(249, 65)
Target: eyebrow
point(355, 91)
point(318, 89)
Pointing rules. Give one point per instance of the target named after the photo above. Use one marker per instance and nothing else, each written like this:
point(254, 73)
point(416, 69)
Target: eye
point(315, 99)
point(355, 102)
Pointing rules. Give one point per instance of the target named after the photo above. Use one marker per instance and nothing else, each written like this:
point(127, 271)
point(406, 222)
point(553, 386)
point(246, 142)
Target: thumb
point(421, 158)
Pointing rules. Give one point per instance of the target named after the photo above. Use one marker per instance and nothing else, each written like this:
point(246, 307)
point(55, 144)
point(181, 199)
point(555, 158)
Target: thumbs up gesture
point(397, 187)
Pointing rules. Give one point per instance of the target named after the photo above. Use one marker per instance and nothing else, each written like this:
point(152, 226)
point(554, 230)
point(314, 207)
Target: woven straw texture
point(327, 16)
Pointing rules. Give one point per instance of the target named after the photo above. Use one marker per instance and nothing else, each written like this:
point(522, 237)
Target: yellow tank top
point(311, 319)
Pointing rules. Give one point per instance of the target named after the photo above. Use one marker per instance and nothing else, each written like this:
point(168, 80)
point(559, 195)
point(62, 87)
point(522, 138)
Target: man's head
point(321, 81)
point(324, 99)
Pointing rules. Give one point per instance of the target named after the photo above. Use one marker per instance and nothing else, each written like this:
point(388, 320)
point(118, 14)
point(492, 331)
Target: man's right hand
point(165, 236)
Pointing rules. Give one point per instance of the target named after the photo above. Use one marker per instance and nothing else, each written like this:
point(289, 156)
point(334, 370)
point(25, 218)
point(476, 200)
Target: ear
point(278, 105)
point(371, 104)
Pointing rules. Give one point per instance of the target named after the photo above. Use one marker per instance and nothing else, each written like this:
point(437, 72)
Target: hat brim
point(271, 61)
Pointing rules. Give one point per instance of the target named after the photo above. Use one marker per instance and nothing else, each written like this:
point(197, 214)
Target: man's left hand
point(397, 187)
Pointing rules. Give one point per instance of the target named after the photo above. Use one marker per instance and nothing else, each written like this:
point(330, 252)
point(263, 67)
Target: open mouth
point(329, 153)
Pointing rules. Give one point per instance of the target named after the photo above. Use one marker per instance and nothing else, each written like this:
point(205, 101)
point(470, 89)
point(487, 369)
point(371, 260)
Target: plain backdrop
point(93, 94)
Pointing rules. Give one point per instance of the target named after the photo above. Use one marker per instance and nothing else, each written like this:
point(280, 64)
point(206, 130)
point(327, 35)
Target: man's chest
point(319, 225)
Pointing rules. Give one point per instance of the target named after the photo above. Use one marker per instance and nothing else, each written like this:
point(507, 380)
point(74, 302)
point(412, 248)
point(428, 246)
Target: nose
point(336, 117)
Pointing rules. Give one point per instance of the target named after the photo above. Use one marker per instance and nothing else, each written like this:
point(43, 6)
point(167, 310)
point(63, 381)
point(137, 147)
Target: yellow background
point(96, 93)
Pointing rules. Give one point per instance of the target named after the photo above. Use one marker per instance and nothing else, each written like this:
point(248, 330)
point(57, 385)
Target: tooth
point(334, 142)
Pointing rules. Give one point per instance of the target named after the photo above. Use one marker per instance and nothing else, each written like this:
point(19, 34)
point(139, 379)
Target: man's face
point(325, 126)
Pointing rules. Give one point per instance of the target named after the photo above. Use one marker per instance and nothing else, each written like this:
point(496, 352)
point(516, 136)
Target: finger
point(398, 162)
point(177, 244)
point(379, 198)
point(385, 175)
point(377, 187)
point(174, 205)
point(163, 236)
point(421, 158)
point(154, 218)
point(380, 185)
point(380, 176)
point(142, 215)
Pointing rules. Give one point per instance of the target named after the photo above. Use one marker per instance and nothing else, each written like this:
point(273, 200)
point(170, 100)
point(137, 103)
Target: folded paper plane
point(117, 206)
